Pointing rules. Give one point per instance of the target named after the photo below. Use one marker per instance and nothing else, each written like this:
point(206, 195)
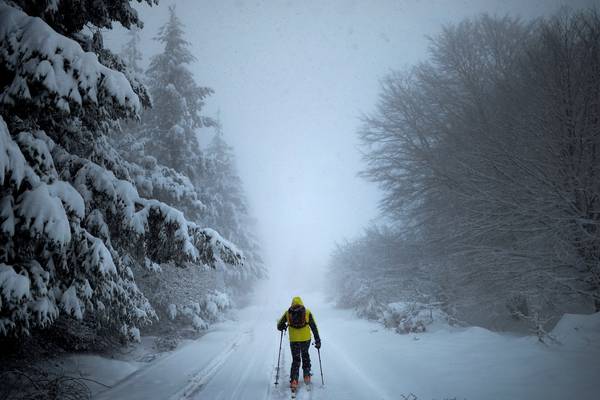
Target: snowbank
point(462, 363)
point(404, 317)
point(577, 330)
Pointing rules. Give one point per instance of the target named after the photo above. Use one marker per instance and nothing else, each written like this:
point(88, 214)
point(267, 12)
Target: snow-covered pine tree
point(151, 178)
point(165, 145)
point(228, 205)
point(178, 102)
point(72, 224)
point(131, 53)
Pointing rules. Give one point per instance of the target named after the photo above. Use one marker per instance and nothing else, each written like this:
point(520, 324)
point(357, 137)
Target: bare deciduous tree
point(488, 153)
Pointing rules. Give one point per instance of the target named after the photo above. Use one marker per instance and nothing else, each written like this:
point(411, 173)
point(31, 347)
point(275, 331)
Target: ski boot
point(307, 379)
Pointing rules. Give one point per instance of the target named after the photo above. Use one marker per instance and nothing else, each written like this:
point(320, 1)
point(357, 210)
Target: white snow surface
point(576, 330)
point(362, 360)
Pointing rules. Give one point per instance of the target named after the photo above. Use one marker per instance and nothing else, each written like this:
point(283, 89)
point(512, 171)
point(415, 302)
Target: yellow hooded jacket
point(300, 334)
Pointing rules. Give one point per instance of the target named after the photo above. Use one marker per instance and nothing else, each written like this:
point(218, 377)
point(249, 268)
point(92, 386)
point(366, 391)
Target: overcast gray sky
point(291, 80)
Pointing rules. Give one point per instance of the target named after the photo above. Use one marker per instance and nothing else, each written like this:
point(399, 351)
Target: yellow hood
point(297, 301)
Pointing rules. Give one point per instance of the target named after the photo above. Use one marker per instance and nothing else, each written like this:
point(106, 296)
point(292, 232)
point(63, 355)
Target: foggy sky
point(291, 79)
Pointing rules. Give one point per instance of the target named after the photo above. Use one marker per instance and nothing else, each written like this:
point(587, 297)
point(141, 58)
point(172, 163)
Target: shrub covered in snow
point(184, 296)
point(403, 317)
point(381, 277)
point(412, 317)
point(369, 308)
point(165, 343)
point(200, 314)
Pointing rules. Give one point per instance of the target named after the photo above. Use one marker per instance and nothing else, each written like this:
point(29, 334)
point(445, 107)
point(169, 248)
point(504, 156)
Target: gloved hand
point(282, 327)
point(318, 344)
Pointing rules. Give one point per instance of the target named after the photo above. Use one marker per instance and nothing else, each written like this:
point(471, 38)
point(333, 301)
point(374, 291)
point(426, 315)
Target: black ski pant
point(300, 352)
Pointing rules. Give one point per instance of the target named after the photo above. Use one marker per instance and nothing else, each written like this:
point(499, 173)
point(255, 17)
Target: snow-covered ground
point(363, 360)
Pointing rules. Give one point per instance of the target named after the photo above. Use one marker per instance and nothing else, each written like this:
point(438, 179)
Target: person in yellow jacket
point(300, 322)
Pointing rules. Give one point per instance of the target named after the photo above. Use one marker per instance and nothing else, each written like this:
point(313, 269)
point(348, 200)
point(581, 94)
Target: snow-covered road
point(362, 360)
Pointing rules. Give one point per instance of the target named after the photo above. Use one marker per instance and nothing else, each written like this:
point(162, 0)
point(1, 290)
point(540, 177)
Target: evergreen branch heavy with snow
point(69, 17)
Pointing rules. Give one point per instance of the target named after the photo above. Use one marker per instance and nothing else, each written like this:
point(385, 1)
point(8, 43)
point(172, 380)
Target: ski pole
point(278, 357)
point(321, 367)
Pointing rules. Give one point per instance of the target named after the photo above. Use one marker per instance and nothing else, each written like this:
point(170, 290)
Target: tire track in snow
point(199, 380)
point(247, 372)
point(249, 365)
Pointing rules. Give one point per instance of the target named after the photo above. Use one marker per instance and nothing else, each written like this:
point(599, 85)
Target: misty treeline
point(488, 155)
point(112, 215)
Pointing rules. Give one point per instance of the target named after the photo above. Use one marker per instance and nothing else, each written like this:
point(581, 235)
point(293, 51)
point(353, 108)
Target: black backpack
point(297, 317)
